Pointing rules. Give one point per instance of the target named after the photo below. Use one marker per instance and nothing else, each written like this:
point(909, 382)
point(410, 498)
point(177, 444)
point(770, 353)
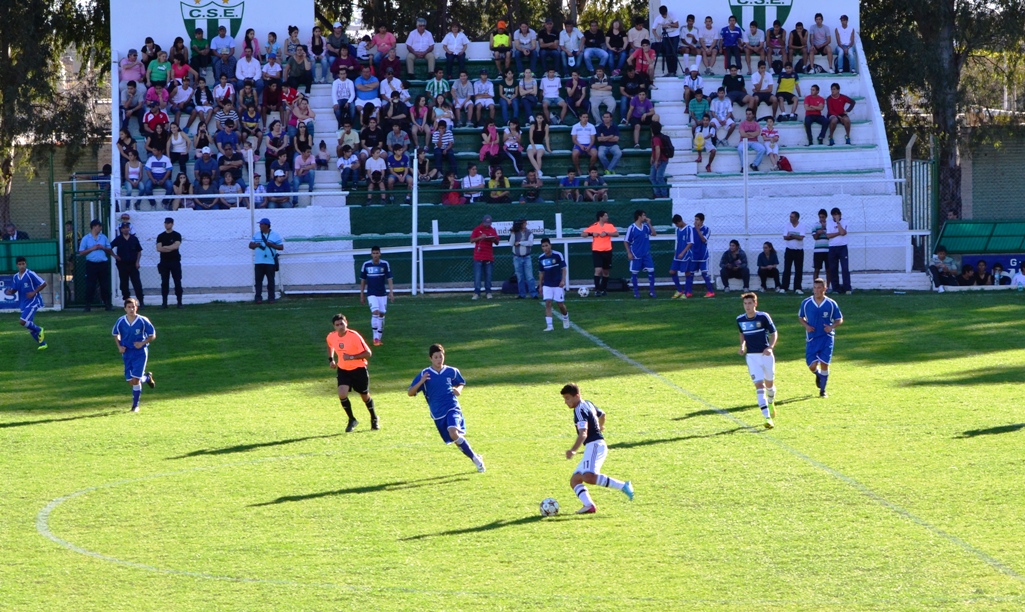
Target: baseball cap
point(205, 150)
point(486, 219)
point(693, 68)
point(125, 215)
point(256, 174)
point(502, 24)
point(337, 24)
point(265, 220)
point(279, 173)
point(274, 55)
point(126, 225)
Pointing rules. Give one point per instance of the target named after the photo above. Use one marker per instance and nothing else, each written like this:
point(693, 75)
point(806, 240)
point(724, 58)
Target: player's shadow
point(651, 442)
point(244, 448)
point(399, 485)
point(990, 431)
point(60, 420)
point(498, 524)
point(731, 410)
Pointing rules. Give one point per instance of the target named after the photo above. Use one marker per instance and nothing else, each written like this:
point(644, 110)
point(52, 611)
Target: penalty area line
point(983, 556)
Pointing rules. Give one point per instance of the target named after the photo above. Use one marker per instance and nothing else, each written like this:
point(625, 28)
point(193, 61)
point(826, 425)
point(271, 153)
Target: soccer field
point(235, 487)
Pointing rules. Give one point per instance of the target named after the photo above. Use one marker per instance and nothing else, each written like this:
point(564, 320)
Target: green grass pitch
point(235, 487)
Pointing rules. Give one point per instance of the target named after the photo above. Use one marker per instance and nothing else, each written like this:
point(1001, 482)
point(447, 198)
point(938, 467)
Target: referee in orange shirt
point(347, 352)
point(601, 232)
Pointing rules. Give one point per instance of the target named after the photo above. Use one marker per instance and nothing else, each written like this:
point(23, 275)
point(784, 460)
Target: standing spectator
point(846, 53)
point(943, 269)
point(11, 232)
point(666, 30)
point(601, 93)
point(733, 264)
point(484, 238)
point(793, 256)
point(571, 42)
point(521, 239)
point(749, 133)
point(583, 135)
point(730, 37)
point(820, 42)
point(170, 267)
point(525, 47)
point(95, 247)
point(753, 43)
point(820, 254)
point(608, 143)
point(594, 47)
point(659, 162)
point(601, 233)
point(838, 106)
point(265, 245)
point(768, 267)
point(501, 47)
point(419, 45)
point(836, 231)
point(814, 104)
point(381, 43)
point(710, 41)
point(616, 42)
point(128, 255)
point(548, 47)
point(455, 44)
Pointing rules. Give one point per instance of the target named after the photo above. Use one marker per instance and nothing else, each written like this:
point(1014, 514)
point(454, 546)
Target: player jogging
point(348, 352)
point(27, 286)
point(133, 334)
point(758, 337)
point(442, 385)
point(590, 422)
point(681, 254)
point(638, 251)
point(372, 279)
point(699, 235)
point(820, 316)
point(552, 278)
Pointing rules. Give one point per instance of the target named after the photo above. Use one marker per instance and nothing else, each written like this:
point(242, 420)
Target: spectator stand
point(1000, 242)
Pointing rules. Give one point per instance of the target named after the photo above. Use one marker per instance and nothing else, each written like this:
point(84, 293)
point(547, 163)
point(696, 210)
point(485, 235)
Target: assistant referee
point(601, 233)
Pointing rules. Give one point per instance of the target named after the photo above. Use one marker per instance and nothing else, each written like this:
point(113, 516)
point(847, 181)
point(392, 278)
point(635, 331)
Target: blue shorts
point(679, 265)
point(28, 313)
point(642, 263)
point(135, 363)
point(454, 418)
point(697, 266)
point(819, 349)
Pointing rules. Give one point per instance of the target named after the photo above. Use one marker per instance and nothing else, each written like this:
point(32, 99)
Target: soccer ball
point(699, 142)
point(583, 292)
point(549, 507)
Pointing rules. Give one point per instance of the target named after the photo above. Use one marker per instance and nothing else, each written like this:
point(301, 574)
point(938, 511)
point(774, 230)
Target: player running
point(590, 422)
point(133, 333)
point(442, 385)
point(681, 254)
point(348, 352)
point(820, 316)
point(758, 337)
point(699, 235)
point(27, 286)
point(372, 279)
point(552, 279)
point(638, 251)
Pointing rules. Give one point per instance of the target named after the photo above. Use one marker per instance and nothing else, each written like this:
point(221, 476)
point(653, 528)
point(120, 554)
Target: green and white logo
point(762, 11)
point(212, 14)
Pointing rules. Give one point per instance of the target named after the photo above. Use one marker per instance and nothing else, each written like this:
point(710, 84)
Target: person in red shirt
point(484, 238)
point(814, 104)
point(838, 105)
point(347, 352)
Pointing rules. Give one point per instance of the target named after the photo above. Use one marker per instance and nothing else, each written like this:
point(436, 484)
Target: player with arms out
point(699, 235)
point(372, 279)
point(758, 337)
point(552, 273)
point(347, 352)
point(820, 316)
point(133, 333)
point(638, 251)
point(27, 285)
point(681, 254)
point(590, 422)
point(442, 385)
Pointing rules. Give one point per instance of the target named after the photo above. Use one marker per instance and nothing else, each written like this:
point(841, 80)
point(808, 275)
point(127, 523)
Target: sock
point(33, 329)
point(374, 323)
point(762, 404)
point(380, 326)
point(633, 281)
point(370, 408)
point(604, 283)
point(823, 379)
point(583, 495)
point(597, 283)
point(770, 394)
point(612, 483)
point(136, 394)
point(144, 379)
point(347, 406)
point(548, 321)
point(676, 281)
point(465, 447)
point(688, 283)
point(709, 287)
point(651, 282)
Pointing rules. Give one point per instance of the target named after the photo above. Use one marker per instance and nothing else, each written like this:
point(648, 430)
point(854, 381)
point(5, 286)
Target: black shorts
point(638, 121)
point(602, 259)
point(358, 380)
point(839, 117)
point(820, 262)
point(736, 96)
point(786, 97)
point(763, 97)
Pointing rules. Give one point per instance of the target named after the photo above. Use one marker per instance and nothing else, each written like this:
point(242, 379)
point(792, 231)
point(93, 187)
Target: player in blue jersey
point(681, 254)
point(376, 286)
point(699, 235)
point(590, 423)
point(758, 337)
point(27, 285)
point(820, 316)
point(442, 385)
point(133, 334)
point(638, 251)
point(552, 280)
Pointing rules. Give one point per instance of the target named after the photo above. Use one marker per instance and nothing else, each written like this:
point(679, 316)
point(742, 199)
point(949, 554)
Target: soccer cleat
point(134, 409)
point(772, 410)
point(769, 424)
point(587, 510)
point(781, 290)
point(475, 297)
point(798, 292)
point(41, 347)
point(149, 380)
point(352, 425)
point(822, 393)
point(377, 342)
point(375, 424)
point(42, 336)
point(677, 295)
point(651, 294)
point(710, 294)
point(628, 489)
point(479, 462)
point(565, 323)
point(548, 329)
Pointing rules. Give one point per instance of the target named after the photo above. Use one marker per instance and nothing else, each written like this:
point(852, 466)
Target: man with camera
point(666, 30)
point(265, 245)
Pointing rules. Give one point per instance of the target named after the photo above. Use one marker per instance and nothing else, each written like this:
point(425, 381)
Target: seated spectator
point(280, 185)
point(206, 164)
point(231, 163)
point(601, 93)
point(181, 188)
point(576, 94)
point(272, 70)
point(178, 144)
point(595, 188)
point(318, 56)
point(390, 84)
point(338, 42)
point(594, 47)
point(422, 118)
point(814, 105)
point(130, 69)
point(227, 136)
point(395, 114)
point(462, 99)
point(788, 91)
point(133, 105)
point(550, 89)
point(692, 83)
point(205, 187)
point(531, 186)
point(424, 172)
point(134, 178)
point(305, 167)
point(539, 142)
point(472, 183)
point(707, 141)
point(271, 101)
point(159, 94)
point(348, 136)
point(607, 134)
point(363, 49)
point(512, 147)
point(225, 114)
point(349, 167)
point(483, 98)
point(733, 264)
point(1019, 279)
point(507, 90)
point(455, 44)
point(770, 139)
point(444, 147)
point(158, 70)
point(943, 269)
point(227, 188)
point(643, 60)
point(158, 174)
point(181, 101)
point(381, 43)
point(343, 93)
point(154, 117)
point(371, 137)
point(982, 275)
point(149, 50)
point(753, 43)
point(584, 135)
point(698, 108)
point(750, 132)
point(820, 41)
point(797, 44)
point(400, 170)
point(571, 45)
point(967, 276)
point(838, 106)
point(710, 40)
point(498, 188)
point(299, 70)
point(376, 169)
point(768, 266)
point(616, 44)
point(570, 185)
point(438, 88)
point(323, 157)
point(525, 47)
point(157, 141)
point(846, 54)
point(631, 85)
point(451, 183)
point(999, 276)
point(736, 89)
point(367, 87)
point(345, 62)
point(642, 112)
point(548, 47)
point(249, 126)
point(501, 47)
point(762, 86)
point(249, 69)
point(391, 62)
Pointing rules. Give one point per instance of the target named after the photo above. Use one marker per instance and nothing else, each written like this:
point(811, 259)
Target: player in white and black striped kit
point(590, 422)
point(377, 287)
point(758, 337)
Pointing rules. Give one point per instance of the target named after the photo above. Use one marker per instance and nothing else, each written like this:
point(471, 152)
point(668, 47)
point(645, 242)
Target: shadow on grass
point(244, 448)
point(499, 524)
point(677, 439)
point(399, 485)
point(731, 410)
point(60, 420)
point(990, 431)
point(980, 376)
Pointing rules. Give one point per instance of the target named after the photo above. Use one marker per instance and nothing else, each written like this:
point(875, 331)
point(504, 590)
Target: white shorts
point(204, 109)
point(707, 147)
point(462, 102)
point(761, 367)
point(555, 294)
point(772, 148)
point(378, 303)
point(594, 456)
point(485, 102)
point(719, 123)
point(376, 103)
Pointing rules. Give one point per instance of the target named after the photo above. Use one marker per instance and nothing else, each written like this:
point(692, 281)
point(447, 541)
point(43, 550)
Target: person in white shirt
point(249, 68)
point(793, 236)
point(483, 97)
point(836, 231)
point(420, 45)
point(1018, 281)
point(343, 92)
point(525, 46)
point(455, 44)
point(389, 84)
point(761, 89)
point(584, 135)
point(550, 87)
point(348, 167)
point(721, 108)
point(845, 49)
point(692, 82)
point(690, 43)
point(753, 43)
point(272, 69)
point(666, 30)
point(376, 169)
point(707, 131)
point(571, 46)
point(709, 37)
point(472, 180)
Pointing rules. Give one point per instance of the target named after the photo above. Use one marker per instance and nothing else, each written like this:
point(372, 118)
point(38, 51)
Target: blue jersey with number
point(376, 275)
point(819, 316)
point(130, 333)
point(23, 284)
point(756, 331)
point(552, 266)
point(699, 252)
point(586, 415)
point(438, 390)
point(639, 239)
point(683, 238)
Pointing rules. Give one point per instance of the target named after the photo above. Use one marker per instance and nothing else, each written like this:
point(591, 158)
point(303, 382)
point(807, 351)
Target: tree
point(37, 111)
